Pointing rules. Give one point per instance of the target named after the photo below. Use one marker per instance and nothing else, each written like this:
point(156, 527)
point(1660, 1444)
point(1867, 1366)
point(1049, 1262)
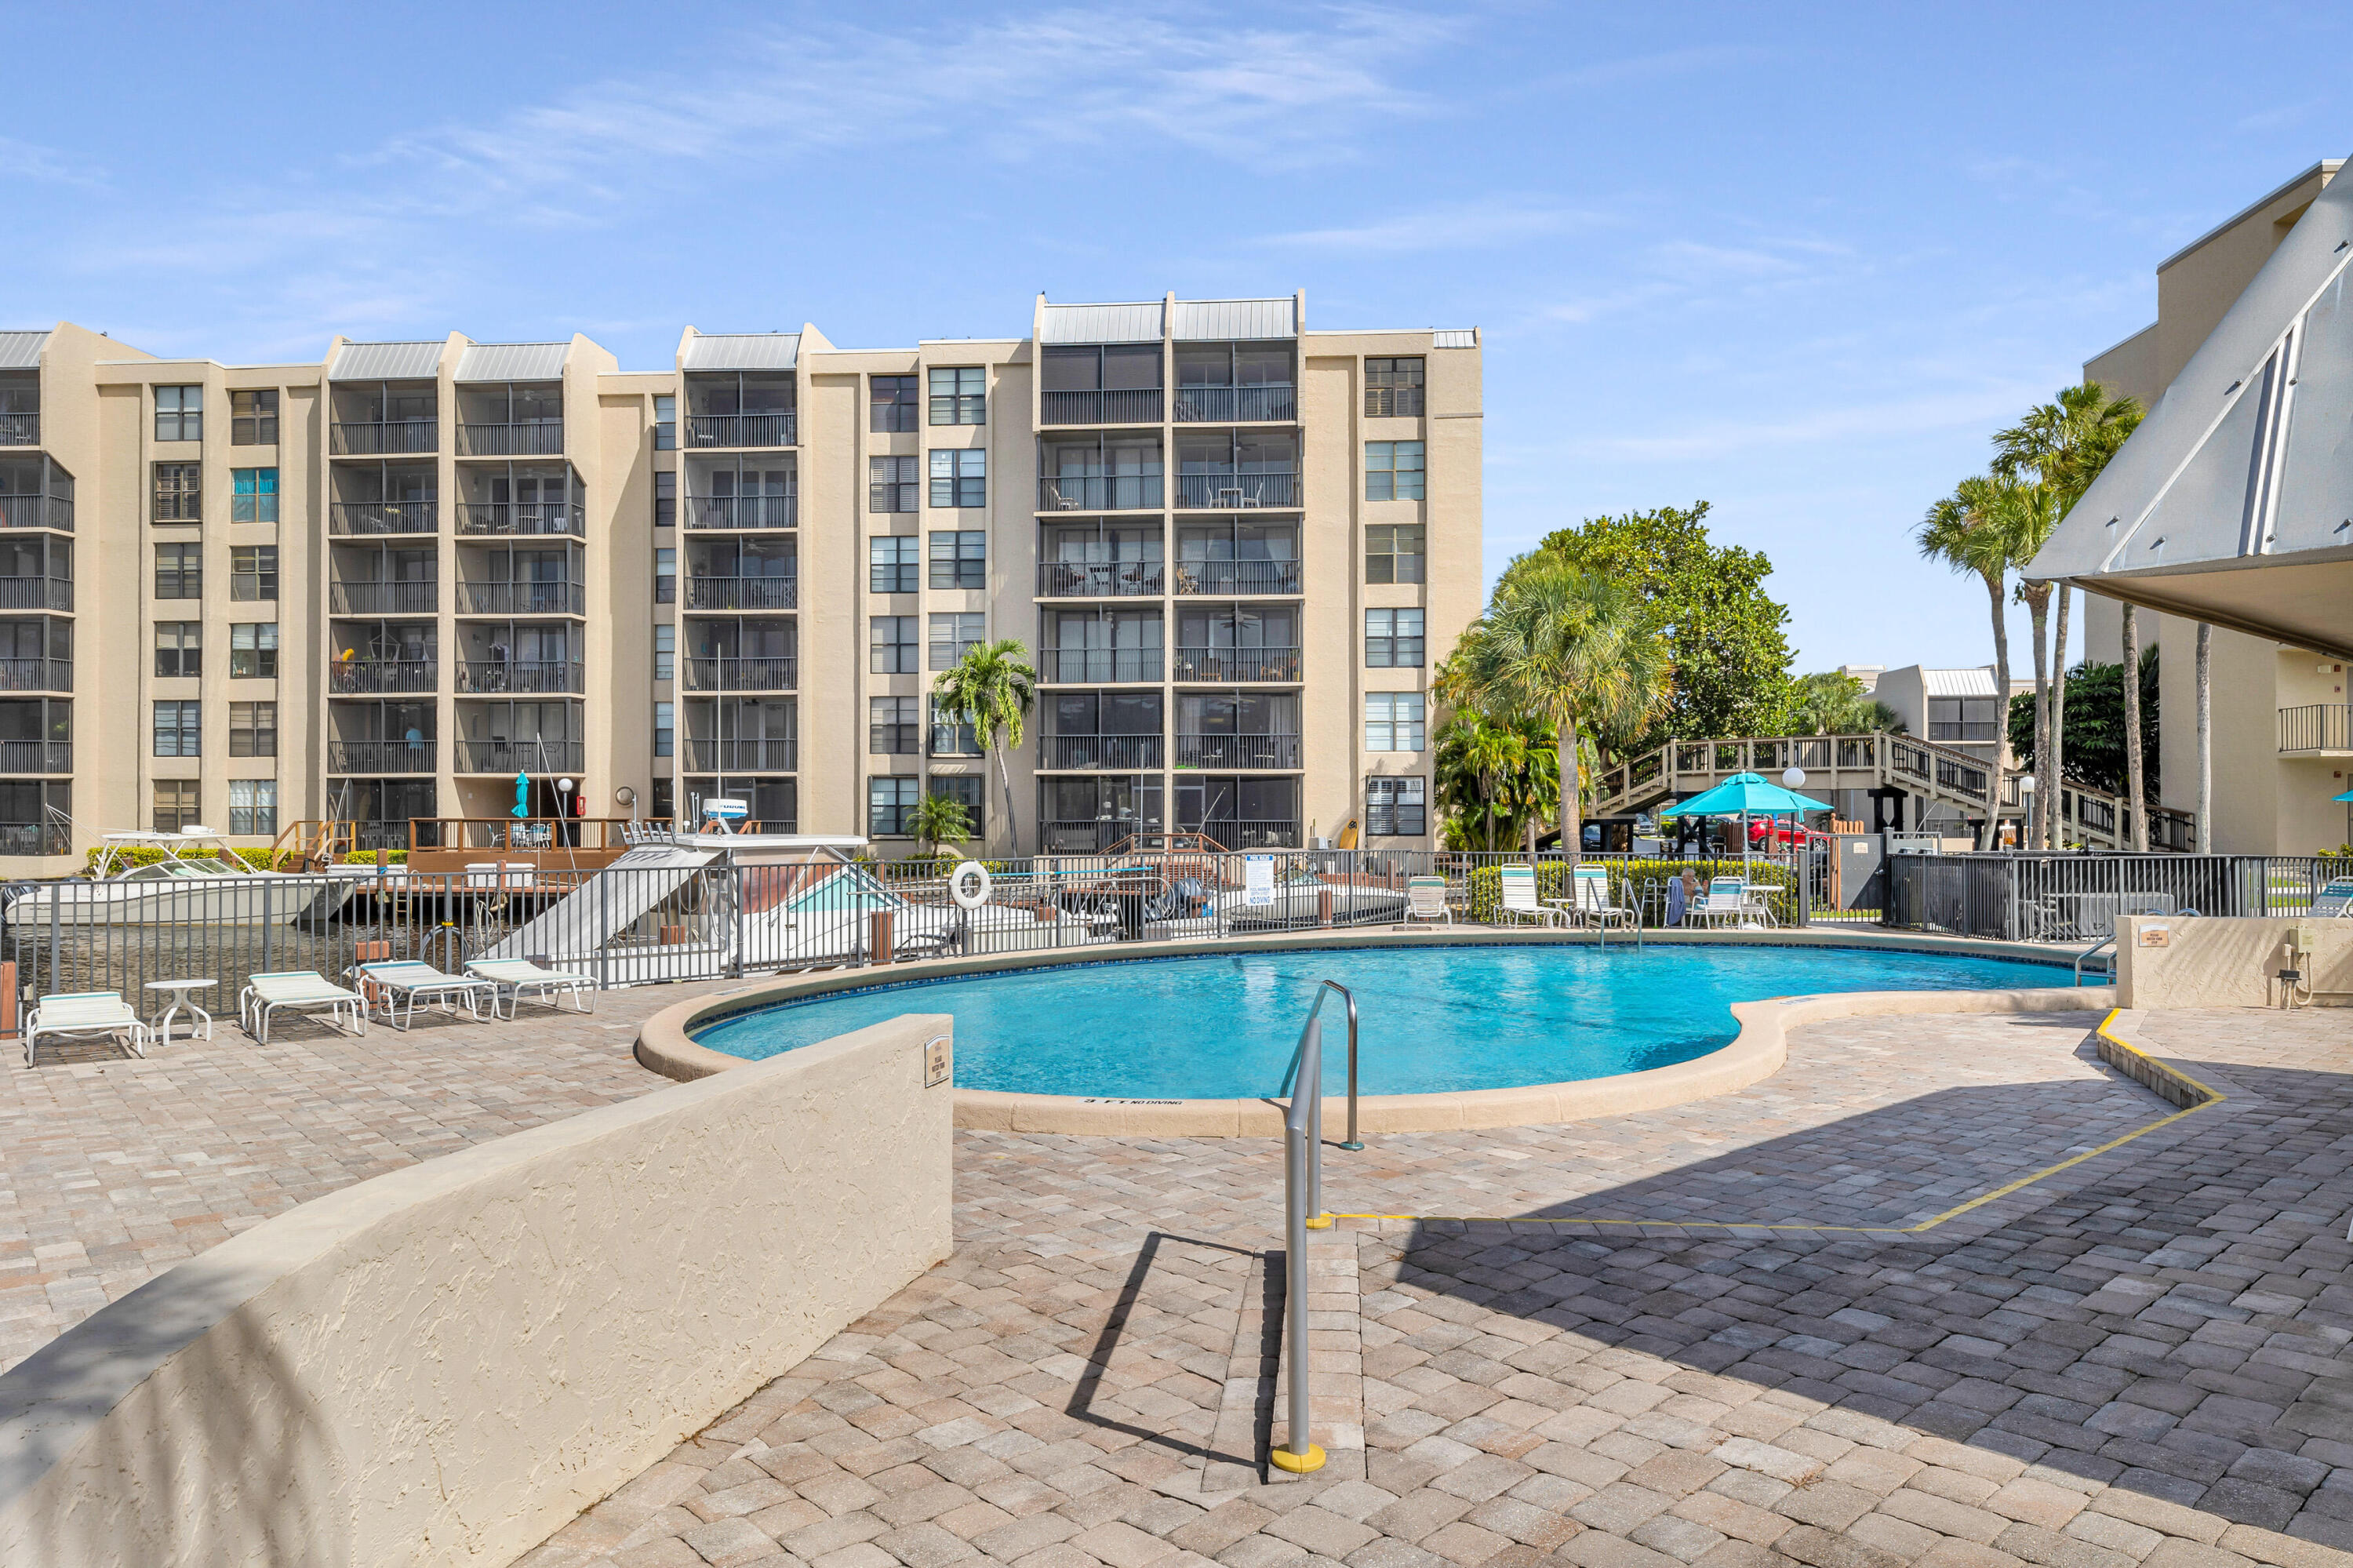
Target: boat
point(189, 887)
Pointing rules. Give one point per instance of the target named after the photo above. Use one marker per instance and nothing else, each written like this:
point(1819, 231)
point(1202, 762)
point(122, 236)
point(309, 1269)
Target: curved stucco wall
point(446, 1363)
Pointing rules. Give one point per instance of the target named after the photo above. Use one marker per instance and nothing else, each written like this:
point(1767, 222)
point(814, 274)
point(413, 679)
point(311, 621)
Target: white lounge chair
point(2335, 900)
point(1592, 906)
point(408, 979)
point(86, 1012)
point(1726, 898)
point(1425, 899)
point(298, 991)
point(1519, 901)
point(514, 976)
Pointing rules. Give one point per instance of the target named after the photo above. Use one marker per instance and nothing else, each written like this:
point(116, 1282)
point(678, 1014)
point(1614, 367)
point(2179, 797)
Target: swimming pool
point(1432, 1019)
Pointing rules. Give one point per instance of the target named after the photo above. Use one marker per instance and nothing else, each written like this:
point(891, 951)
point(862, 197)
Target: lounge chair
point(1726, 898)
point(86, 1012)
point(1425, 899)
point(513, 977)
point(298, 991)
point(1520, 898)
point(1592, 906)
point(2335, 900)
point(408, 979)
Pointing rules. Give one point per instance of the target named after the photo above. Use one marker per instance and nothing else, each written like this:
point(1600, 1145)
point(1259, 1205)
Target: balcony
point(384, 437)
point(501, 677)
point(1135, 407)
point(1237, 663)
point(1234, 491)
point(361, 519)
point(35, 674)
point(523, 598)
point(729, 675)
point(369, 677)
point(1126, 753)
point(743, 593)
point(379, 596)
point(36, 593)
point(526, 438)
point(20, 429)
point(1275, 402)
point(742, 755)
point(520, 519)
point(36, 757)
point(1061, 666)
point(741, 429)
point(35, 838)
point(1100, 579)
point(520, 756)
point(2316, 730)
point(1237, 751)
point(1100, 492)
point(37, 512)
point(381, 756)
point(743, 511)
point(1225, 577)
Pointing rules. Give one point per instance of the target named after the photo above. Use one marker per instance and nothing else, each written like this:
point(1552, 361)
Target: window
point(175, 804)
point(894, 645)
point(960, 397)
point(665, 577)
point(254, 495)
point(959, 478)
point(665, 801)
point(178, 729)
point(951, 733)
point(1392, 387)
point(1393, 722)
point(966, 789)
point(179, 571)
point(253, 572)
point(665, 423)
point(665, 729)
point(179, 648)
point(952, 634)
point(665, 650)
point(894, 403)
point(253, 729)
point(252, 807)
point(1394, 808)
point(666, 498)
point(253, 418)
point(179, 413)
point(891, 729)
point(891, 484)
point(179, 492)
point(890, 564)
point(1963, 718)
point(960, 560)
point(889, 803)
point(1395, 553)
point(253, 651)
point(1393, 470)
point(1392, 639)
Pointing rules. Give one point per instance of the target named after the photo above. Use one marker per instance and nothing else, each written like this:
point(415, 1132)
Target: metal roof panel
point(1102, 324)
point(512, 361)
point(387, 362)
point(743, 351)
point(1975, 681)
point(21, 350)
point(1209, 321)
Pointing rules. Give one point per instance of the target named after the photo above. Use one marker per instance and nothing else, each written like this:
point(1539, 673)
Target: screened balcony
point(1229, 470)
point(20, 408)
point(36, 573)
point(1239, 813)
point(35, 492)
point(509, 581)
point(522, 657)
point(36, 817)
point(744, 654)
point(1077, 646)
point(1100, 473)
point(37, 736)
point(741, 408)
point(366, 500)
point(522, 500)
point(1101, 384)
point(383, 419)
point(386, 658)
point(1098, 559)
point(756, 735)
point(1238, 730)
point(1101, 730)
point(741, 495)
point(1238, 642)
point(498, 419)
point(382, 738)
point(743, 574)
point(1091, 815)
point(37, 655)
point(1236, 383)
point(383, 579)
point(509, 739)
point(1228, 556)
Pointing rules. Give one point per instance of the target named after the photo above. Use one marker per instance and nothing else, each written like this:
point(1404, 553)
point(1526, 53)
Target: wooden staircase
point(312, 845)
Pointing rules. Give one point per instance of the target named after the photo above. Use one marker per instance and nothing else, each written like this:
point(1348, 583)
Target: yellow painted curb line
point(2213, 1097)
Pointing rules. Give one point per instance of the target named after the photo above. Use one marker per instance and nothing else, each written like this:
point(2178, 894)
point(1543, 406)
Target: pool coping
point(665, 1045)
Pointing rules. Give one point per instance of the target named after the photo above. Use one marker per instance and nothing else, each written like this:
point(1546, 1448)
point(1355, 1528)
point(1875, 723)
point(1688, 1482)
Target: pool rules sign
point(1258, 881)
point(938, 1062)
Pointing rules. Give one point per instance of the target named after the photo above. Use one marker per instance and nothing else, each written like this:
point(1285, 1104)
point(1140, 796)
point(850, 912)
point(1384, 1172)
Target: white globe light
point(1793, 777)
point(564, 785)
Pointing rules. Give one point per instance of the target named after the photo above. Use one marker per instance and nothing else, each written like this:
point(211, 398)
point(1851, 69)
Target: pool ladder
point(1302, 1192)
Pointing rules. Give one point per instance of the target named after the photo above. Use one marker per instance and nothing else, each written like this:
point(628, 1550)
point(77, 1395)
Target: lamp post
point(563, 810)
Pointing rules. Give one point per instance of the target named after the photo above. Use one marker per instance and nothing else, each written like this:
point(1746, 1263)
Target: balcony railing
point(353, 519)
point(1099, 493)
point(727, 674)
point(523, 598)
point(35, 674)
point(525, 437)
point(520, 756)
point(20, 429)
point(36, 593)
point(1087, 835)
point(1129, 406)
point(36, 512)
point(478, 677)
point(1238, 577)
point(381, 756)
point(741, 429)
point(743, 511)
point(2317, 726)
point(1231, 405)
point(384, 438)
point(379, 596)
point(742, 755)
point(36, 755)
point(743, 593)
point(1246, 833)
point(35, 838)
point(368, 677)
point(1237, 663)
point(521, 518)
point(1237, 751)
point(1061, 666)
point(1236, 492)
point(1100, 579)
point(1125, 753)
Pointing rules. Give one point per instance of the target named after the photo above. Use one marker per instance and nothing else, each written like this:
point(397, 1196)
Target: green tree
point(1833, 703)
point(1963, 532)
point(939, 822)
point(2094, 754)
point(1475, 758)
point(1726, 636)
point(992, 688)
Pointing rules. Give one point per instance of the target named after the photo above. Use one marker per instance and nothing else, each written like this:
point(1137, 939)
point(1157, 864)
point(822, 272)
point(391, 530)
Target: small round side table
point(179, 989)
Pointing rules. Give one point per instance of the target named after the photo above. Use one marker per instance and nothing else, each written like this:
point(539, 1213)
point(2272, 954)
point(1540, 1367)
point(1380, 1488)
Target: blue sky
point(1796, 264)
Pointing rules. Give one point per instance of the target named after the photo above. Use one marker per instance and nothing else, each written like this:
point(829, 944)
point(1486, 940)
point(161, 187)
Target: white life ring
point(969, 884)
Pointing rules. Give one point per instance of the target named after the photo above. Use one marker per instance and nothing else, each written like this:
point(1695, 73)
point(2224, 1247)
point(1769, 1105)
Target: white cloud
point(30, 161)
point(1462, 226)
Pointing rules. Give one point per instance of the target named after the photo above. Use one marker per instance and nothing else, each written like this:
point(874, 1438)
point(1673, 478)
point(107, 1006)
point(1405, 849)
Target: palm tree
point(992, 688)
point(1960, 531)
point(1490, 754)
point(1833, 703)
point(1575, 648)
point(939, 821)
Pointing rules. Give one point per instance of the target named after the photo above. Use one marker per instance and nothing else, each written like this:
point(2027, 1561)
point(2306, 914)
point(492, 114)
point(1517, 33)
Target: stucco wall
point(446, 1363)
point(2222, 962)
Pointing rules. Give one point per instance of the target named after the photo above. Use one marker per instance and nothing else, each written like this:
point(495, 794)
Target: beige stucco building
point(378, 586)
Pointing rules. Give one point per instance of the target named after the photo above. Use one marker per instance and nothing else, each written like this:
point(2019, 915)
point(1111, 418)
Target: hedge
point(1486, 882)
point(371, 857)
point(154, 854)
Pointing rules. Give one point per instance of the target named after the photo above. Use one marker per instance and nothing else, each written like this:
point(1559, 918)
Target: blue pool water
point(1432, 1019)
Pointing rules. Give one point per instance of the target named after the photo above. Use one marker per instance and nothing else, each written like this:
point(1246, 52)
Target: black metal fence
point(2072, 898)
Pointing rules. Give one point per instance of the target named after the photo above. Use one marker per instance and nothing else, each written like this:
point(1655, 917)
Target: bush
point(373, 857)
point(1486, 882)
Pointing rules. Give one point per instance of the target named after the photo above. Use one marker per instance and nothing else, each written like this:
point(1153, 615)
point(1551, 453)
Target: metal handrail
point(1302, 1194)
point(2107, 941)
point(1291, 1076)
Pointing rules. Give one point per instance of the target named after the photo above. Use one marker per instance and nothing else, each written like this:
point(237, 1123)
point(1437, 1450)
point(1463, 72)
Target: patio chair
point(296, 990)
point(1425, 899)
point(1756, 904)
point(86, 1012)
point(407, 980)
point(1520, 899)
point(513, 977)
point(1592, 906)
point(2335, 900)
point(1726, 899)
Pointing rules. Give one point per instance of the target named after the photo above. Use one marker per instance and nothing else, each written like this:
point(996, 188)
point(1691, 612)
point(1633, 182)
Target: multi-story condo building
point(431, 581)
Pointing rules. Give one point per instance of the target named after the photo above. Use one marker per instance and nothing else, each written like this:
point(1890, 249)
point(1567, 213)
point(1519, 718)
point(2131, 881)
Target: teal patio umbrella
point(522, 794)
point(1745, 795)
point(2347, 798)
